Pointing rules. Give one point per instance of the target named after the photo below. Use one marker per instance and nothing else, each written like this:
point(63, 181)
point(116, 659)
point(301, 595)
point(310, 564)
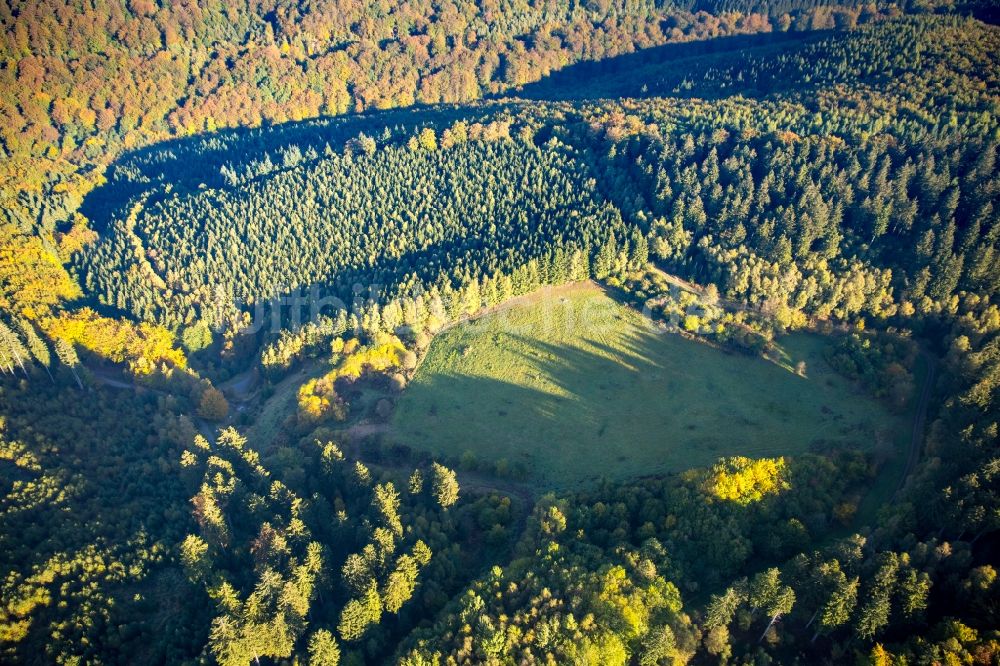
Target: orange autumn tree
point(212, 404)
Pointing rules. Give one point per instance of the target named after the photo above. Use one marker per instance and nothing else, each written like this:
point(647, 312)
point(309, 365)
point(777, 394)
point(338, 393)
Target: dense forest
point(188, 210)
point(85, 81)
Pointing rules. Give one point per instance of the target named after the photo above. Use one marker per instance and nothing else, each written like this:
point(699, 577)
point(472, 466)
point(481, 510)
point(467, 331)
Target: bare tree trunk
point(808, 624)
point(768, 627)
point(76, 377)
point(13, 352)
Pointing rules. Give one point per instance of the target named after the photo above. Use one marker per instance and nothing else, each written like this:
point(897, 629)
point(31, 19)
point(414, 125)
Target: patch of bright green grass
point(273, 412)
point(577, 387)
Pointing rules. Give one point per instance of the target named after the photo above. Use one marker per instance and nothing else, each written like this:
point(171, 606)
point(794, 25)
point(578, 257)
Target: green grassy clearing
point(272, 413)
point(577, 387)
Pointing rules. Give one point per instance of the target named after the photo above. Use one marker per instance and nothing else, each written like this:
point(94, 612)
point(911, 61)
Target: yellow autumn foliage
point(378, 357)
point(142, 346)
point(745, 480)
point(318, 399)
point(32, 279)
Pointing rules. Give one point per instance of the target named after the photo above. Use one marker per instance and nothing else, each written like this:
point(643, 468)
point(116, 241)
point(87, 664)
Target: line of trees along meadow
point(396, 218)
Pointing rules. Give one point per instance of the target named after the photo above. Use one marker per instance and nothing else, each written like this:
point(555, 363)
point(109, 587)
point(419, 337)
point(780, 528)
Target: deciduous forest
point(307, 309)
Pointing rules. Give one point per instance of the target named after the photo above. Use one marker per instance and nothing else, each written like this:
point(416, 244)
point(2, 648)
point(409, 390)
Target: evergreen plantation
point(204, 338)
point(800, 220)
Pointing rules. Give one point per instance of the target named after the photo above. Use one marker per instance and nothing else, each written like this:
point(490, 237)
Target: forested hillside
point(385, 216)
point(815, 207)
point(216, 286)
point(84, 82)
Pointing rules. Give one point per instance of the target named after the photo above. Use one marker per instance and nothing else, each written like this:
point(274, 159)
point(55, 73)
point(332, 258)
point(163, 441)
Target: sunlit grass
point(576, 387)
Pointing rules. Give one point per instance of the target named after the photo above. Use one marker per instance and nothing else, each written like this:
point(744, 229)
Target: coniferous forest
point(233, 233)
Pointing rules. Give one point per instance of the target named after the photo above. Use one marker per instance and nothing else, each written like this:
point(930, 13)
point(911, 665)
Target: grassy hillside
point(575, 386)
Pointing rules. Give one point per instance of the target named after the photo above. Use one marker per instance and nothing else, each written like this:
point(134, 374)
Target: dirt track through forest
point(919, 421)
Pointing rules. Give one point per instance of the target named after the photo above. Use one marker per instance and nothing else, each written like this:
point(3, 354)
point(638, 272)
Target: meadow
point(576, 387)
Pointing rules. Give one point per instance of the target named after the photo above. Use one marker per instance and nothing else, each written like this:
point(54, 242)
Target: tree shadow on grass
point(617, 408)
point(543, 418)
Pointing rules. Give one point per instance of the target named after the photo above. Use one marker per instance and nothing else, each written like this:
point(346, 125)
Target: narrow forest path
point(919, 422)
point(113, 380)
point(241, 388)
